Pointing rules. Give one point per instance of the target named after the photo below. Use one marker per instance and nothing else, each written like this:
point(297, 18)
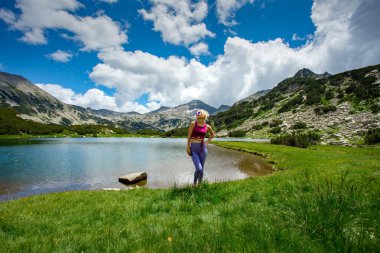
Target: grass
point(321, 199)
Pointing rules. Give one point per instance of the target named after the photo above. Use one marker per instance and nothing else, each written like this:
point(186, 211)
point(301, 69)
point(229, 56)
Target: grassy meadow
point(320, 199)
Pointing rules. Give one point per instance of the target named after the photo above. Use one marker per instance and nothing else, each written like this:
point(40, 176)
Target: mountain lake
point(36, 166)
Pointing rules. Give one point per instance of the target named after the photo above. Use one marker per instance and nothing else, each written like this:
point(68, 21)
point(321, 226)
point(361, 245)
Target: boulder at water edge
point(133, 178)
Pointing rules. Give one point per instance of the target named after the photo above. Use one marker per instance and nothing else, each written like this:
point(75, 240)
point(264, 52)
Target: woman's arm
point(212, 134)
point(189, 132)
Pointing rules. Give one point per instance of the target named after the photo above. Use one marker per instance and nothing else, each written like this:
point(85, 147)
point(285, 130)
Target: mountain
point(221, 108)
point(253, 96)
point(308, 73)
point(340, 107)
point(35, 104)
point(167, 118)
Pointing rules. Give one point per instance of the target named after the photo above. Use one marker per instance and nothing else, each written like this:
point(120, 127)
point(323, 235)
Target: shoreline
point(14, 191)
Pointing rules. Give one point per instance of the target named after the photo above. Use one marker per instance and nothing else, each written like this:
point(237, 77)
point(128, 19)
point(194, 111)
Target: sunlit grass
point(321, 199)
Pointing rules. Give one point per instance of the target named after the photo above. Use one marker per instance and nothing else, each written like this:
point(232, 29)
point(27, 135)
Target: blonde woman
point(195, 143)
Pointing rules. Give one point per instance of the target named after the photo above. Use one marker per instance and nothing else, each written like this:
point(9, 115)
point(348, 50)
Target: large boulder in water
point(133, 178)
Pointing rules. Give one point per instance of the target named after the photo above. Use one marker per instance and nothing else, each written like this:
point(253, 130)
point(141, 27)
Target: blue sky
point(136, 55)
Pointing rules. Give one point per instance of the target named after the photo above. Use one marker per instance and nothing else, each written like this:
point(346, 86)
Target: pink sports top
point(199, 132)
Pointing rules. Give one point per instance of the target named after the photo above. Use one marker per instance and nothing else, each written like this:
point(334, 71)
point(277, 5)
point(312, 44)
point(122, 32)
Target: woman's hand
point(188, 151)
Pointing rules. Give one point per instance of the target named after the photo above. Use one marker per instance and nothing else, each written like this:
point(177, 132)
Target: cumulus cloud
point(199, 49)
point(179, 22)
point(60, 56)
point(344, 39)
point(226, 10)
point(94, 98)
point(94, 33)
point(243, 68)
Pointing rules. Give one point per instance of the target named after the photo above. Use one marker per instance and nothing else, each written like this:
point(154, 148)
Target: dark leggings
point(198, 155)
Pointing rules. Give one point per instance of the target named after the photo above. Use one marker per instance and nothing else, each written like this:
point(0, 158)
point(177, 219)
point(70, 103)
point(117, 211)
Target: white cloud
point(56, 90)
point(60, 56)
point(94, 33)
point(296, 37)
point(180, 22)
point(226, 10)
point(94, 98)
point(345, 38)
point(7, 16)
point(175, 80)
point(199, 49)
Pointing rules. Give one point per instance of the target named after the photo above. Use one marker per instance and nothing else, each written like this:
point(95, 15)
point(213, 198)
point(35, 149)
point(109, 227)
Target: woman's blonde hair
point(202, 112)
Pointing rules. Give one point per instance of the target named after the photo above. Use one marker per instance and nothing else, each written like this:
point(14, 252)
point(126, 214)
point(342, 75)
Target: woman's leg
point(196, 157)
point(203, 157)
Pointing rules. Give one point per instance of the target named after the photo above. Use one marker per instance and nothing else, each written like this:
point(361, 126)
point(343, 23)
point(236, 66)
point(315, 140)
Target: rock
point(348, 119)
point(111, 189)
point(133, 178)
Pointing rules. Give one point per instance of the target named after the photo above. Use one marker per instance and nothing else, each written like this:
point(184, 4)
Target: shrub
point(313, 98)
point(291, 103)
point(275, 122)
point(375, 108)
point(238, 133)
point(299, 125)
point(324, 109)
point(372, 136)
point(257, 127)
point(275, 130)
point(174, 132)
point(329, 94)
point(301, 140)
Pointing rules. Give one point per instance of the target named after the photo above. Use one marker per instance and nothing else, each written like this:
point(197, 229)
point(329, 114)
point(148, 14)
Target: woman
point(195, 144)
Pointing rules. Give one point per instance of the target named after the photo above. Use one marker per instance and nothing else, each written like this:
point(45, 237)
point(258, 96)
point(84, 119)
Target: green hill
point(340, 106)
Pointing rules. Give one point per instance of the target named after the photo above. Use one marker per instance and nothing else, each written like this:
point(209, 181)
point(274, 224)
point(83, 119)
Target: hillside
point(35, 104)
point(340, 107)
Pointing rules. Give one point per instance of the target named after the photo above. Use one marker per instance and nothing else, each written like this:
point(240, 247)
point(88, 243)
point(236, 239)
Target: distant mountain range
point(341, 107)
point(35, 104)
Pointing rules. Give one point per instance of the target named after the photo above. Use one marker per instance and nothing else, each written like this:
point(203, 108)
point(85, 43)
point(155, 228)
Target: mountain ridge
point(340, 107)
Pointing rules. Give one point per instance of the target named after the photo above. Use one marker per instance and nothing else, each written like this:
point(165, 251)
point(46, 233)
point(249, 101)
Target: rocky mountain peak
point(302, 73)
point(196, 104)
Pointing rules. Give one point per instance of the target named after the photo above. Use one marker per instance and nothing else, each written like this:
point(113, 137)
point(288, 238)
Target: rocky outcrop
point(133, 178)
point(338, 127)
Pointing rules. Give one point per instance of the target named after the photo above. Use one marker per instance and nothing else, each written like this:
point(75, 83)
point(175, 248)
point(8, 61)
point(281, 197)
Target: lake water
point(37, 166)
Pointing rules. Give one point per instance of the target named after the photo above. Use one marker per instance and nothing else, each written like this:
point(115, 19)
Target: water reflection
point(46, 165)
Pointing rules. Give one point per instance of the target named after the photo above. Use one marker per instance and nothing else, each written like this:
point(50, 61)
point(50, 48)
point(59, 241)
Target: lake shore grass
point(320, 199)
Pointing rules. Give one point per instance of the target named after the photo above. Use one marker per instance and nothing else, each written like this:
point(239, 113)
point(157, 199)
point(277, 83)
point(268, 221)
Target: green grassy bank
point(321, 199)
